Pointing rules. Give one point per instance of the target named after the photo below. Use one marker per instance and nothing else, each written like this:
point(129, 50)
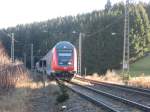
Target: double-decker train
point(60, 61)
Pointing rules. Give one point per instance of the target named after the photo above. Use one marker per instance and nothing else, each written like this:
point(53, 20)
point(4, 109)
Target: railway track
point(123, 87)
point(137, 98)
point(107, 101)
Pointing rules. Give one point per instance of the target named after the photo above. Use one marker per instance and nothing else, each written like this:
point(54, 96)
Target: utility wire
point(9, 35)
point(107, 26)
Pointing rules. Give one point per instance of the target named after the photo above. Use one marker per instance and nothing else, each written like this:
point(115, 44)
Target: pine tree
point(108, 6)
point(140, 35)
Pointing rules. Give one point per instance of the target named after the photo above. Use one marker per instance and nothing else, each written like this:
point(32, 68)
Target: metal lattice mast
point(126, 50)
point(79, 55)
point(32, 57)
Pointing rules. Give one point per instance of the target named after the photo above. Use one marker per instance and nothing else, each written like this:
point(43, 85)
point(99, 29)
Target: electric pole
point(80, 55)
point(81, 35)
point(12, 47)
point(31, 57)
point(126, 50)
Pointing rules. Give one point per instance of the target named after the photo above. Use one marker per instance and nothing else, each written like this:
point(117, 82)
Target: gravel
point(136, 97)
point(125, 94)
point(44, 100)
point(121, 107)
point(79, 104)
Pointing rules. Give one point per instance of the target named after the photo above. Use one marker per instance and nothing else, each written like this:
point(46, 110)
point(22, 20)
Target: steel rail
point(142, 91)
point(93, 100)
point(123, 100)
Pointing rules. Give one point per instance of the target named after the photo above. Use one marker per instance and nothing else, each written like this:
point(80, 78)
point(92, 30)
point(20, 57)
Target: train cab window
point(65, 57)
point(65, 54)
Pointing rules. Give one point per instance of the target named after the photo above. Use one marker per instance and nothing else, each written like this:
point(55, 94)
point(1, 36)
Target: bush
point(62, 97)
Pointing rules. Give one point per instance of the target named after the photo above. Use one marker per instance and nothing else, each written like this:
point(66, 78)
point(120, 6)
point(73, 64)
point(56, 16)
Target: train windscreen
point(65, 57)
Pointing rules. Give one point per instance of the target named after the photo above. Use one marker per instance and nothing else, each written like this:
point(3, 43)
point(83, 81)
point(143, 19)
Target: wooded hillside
point(103, 41)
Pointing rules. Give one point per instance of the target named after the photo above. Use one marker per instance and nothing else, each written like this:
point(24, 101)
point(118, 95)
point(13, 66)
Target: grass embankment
point(140, 73)
point(140, 67)
point(110, 76)
point(12, 99)
point(18, 89)
point(114, 77)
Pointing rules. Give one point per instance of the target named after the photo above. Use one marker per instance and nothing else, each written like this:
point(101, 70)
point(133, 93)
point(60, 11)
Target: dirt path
point(43, 99)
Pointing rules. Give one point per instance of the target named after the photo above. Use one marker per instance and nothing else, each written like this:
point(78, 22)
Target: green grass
point(141, 66)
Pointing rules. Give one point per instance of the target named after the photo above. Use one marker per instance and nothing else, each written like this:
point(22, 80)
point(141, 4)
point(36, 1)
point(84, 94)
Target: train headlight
point(69, 63)
point(60, 63)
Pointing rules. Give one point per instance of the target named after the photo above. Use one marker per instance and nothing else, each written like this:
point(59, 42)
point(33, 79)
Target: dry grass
point(11, 75)
point(4, 59)
point(14, 101)
point(141, 81)
point(12, 98)
point(110, 76)
point(16, 85)
point(113, 77)
point(18, 99)
point(31, 84)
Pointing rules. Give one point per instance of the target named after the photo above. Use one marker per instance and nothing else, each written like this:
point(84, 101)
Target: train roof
point(47, 55)
point(64, 44)
point(59, 45)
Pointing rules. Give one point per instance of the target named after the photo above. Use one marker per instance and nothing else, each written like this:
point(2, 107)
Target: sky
point(13, 12)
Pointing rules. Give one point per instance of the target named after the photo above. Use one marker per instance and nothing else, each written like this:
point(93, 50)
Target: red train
point(60, 62)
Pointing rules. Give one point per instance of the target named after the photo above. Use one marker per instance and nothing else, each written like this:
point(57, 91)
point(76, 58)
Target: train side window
point(40, 63)
point(44, 63)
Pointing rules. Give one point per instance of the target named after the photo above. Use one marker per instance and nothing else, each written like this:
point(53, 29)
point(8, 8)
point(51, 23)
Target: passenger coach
point(60, 62)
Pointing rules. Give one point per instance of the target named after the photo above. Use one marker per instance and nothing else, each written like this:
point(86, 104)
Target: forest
point(102, 42)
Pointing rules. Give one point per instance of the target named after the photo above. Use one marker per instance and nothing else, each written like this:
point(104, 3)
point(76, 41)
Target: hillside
point(141, 66)
point(101, 50)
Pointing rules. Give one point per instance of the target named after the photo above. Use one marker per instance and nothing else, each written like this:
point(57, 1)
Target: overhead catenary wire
point(90, 35)
point(107, 26)
point(9, 35)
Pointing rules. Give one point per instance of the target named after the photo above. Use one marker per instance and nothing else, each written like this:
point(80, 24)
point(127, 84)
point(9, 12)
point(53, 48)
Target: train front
point(65, 57)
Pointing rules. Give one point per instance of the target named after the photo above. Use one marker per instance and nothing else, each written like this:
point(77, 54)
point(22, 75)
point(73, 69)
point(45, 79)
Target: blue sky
point(13, 12)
